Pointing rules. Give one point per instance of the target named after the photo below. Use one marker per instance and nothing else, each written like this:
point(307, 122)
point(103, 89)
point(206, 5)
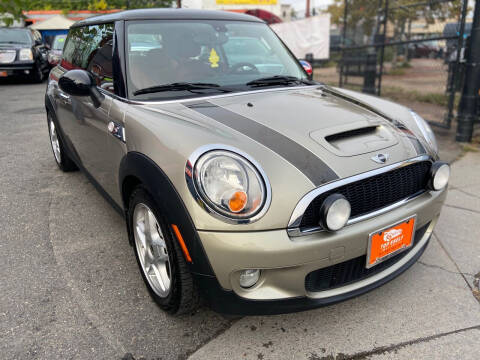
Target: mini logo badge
point(380, 158)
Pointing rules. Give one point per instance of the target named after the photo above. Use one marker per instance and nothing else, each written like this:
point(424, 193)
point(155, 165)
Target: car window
point(91, 48)
point(15, 36)
point(59, 42)
point(227, 53)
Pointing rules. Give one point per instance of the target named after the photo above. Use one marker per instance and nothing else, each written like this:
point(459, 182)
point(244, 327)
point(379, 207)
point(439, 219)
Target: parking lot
point(70, 286)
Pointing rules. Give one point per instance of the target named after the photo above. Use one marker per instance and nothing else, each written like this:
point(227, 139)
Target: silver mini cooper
point(242, 182)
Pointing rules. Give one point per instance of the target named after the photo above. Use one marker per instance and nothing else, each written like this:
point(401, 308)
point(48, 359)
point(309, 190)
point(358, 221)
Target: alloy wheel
point(55, 142)
point(152, 250)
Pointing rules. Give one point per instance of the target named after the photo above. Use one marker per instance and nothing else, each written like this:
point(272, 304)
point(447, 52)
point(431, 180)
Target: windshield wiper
point(179, 86)
point(279, 80)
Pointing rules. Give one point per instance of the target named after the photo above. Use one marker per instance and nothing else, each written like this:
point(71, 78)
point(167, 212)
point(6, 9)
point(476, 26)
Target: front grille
point(353, 270)
point(375, 192)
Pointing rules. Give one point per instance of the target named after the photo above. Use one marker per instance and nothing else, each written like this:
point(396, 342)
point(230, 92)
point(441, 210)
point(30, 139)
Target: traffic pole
point(467, 108)
point(307, 9)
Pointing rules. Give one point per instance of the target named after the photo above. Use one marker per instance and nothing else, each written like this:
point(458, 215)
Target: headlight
point(230, 185)
point(426, 130)
point(439, 175)
point(334, 212)
point(25, 54)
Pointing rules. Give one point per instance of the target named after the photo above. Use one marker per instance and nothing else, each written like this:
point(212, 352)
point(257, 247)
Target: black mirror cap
point(76, 82)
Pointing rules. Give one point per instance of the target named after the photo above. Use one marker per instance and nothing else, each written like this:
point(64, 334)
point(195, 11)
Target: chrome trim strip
point(190, 167)
point(377, 277)
point(293, 228)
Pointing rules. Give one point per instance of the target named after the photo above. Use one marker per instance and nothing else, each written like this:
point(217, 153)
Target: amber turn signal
point(238, 201)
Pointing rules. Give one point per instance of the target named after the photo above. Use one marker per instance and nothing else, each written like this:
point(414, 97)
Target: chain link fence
point(410, 51)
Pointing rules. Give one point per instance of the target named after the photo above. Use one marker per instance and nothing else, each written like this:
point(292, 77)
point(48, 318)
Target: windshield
point(15, 36)
point(225, 55)
point(59, 42)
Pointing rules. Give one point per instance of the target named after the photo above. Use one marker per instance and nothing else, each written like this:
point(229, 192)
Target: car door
point(86, 126)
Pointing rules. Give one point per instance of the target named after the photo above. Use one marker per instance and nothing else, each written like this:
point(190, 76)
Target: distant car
point(55, 53)
point(23, 53)
point(245, 183)
point(428, 49)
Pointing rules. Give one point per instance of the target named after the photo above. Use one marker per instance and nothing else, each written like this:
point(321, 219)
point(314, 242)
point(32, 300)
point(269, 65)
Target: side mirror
point(81, 83)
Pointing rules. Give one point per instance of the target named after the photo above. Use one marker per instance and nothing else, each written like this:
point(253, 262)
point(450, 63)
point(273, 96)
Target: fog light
point(439, 175)
point(334, 212)
point(249, 277)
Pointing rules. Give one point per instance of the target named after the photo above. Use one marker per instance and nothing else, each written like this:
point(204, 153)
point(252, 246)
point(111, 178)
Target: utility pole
point(307, 9)
point(467, 108)
point(179, 4)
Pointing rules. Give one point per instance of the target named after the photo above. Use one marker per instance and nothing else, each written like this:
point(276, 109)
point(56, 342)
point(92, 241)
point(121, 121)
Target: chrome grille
point(373, 193)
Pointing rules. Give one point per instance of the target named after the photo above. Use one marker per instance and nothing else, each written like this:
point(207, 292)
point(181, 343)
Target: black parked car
point(23, 53)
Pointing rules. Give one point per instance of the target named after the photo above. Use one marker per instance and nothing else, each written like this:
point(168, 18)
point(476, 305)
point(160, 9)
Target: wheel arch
point(138, 169)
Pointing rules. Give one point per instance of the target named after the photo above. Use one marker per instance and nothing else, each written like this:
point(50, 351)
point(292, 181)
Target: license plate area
point(3, 74)
point(390, 241)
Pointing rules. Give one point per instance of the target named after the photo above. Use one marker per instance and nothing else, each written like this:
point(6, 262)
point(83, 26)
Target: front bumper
point(285, 262)
point(18, 68)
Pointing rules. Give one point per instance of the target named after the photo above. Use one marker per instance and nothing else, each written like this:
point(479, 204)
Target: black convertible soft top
point(167, 14)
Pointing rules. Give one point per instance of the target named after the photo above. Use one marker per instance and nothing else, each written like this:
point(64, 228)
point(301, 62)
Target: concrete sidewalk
point(429, 312)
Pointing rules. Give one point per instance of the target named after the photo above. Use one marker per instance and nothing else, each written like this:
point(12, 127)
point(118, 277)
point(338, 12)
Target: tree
point(11, 10)
point(364, 13)
point(364, 17)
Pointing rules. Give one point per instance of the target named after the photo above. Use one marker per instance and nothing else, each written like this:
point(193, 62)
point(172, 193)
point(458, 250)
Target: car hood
point(5, 46)
point(318, 129)
point(301, 137)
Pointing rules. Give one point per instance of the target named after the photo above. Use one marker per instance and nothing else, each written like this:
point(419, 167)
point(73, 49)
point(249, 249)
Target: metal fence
point(407, 50)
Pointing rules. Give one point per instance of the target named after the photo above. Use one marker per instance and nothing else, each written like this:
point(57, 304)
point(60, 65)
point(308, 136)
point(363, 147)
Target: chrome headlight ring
point(247, 168)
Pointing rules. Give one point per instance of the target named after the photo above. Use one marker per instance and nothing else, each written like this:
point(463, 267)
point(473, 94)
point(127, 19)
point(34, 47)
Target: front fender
point(137, 165)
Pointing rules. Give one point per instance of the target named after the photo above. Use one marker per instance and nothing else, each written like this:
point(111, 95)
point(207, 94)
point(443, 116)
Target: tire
point(178, 294)
point(58, 148)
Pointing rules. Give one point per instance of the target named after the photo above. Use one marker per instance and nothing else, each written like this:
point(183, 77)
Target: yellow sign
point(213, 58)
point(246, 2)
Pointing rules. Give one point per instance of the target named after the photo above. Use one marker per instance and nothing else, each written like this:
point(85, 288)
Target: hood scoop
point(356, 139)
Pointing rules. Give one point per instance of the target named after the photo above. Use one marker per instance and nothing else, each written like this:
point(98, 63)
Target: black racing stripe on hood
point(308, 163)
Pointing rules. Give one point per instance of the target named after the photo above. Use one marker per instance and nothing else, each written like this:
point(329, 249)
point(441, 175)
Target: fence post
point(467, 107)
point(370, 75)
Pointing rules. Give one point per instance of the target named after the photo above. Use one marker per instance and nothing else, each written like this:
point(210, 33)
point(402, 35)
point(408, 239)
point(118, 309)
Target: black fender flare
point(157, 183)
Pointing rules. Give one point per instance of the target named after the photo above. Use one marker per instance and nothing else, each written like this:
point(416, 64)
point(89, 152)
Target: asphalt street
point(70, 287)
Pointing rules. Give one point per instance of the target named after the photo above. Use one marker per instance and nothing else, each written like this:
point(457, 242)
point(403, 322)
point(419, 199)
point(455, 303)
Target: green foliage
point(16, 7)
point(364, 13)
